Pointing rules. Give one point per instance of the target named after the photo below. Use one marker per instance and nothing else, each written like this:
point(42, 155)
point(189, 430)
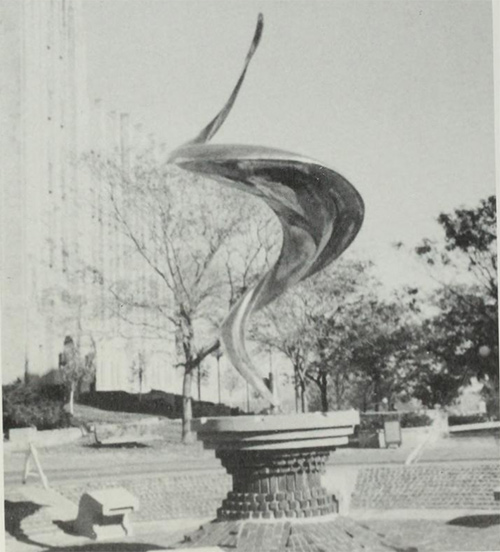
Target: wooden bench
point(137, 432)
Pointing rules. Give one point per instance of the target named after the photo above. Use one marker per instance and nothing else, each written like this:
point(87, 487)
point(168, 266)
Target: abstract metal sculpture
point(319, 210)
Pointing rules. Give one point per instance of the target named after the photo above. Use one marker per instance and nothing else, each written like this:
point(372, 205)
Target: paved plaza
point(443, 503)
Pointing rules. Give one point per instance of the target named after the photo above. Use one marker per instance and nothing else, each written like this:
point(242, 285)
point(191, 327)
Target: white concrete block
point(105, 513)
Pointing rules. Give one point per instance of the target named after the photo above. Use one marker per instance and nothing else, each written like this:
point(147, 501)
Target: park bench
point(127, 433)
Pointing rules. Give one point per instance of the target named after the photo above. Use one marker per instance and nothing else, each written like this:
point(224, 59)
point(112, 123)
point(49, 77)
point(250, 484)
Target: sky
point(396, 95)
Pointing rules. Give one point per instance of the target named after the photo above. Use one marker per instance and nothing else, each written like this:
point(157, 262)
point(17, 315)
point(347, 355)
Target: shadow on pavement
point(66, 526)
point(106, 547)
point(15, 512)
point(396, 547)
point(478, 521)
point(129, 445)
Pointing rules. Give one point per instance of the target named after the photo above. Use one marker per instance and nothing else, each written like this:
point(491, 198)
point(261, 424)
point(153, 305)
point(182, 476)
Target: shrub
point(31, 404)
point(415, 419)
point(156, 403)
point(375, 421)
point(467, 419)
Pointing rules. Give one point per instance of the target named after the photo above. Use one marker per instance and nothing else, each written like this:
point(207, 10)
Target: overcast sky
point(395, 95)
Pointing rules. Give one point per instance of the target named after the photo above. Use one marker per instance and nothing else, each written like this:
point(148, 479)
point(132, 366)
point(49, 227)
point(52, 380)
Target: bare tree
point(198, 246)
point(75, 368)
point(139, 371)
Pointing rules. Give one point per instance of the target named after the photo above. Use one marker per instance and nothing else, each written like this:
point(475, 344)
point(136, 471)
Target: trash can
point(392, 433)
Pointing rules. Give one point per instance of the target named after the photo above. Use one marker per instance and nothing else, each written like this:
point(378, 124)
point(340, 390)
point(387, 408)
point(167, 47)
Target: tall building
point(44, 110)
point(58, 232)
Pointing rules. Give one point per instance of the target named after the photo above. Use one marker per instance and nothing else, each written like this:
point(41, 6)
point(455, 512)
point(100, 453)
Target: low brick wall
point(455, 486)
point(177, 495)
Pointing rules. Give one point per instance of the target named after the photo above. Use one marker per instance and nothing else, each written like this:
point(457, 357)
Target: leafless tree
point(197, 246)
point(75, 368)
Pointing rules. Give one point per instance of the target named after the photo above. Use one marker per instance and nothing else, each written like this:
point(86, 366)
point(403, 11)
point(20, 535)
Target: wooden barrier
point(33, 454)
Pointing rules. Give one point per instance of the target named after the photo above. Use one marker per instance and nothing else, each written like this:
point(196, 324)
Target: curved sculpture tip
point(211, 129)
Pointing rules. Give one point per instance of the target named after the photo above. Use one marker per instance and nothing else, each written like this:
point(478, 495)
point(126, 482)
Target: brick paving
point(197, 494)
point(449, 486)
point(475, 533)
point(171, 496)
point(337, 534)
point(425, 536)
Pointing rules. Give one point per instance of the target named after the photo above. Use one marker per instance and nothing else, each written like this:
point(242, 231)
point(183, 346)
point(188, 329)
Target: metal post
point(218, 378)
point(218, 354)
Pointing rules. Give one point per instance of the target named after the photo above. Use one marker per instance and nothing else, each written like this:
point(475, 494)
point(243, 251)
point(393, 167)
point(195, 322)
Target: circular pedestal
point(277, 502)
point(276, 462)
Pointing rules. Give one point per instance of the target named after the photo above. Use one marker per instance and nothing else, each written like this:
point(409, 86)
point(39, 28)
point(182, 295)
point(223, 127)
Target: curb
point(420, 514)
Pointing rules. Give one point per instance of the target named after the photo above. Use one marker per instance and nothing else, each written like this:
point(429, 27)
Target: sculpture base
point(276, 462)
point(275, 484)
point(326, 534)
point(277, 503)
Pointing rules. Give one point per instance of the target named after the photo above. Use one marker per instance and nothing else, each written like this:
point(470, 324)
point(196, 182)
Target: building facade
point(58, 228)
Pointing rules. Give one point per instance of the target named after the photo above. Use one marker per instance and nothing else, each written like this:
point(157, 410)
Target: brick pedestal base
point(275, 484)
point(276, 463)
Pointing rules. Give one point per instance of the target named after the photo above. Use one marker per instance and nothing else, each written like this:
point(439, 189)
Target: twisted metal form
point(319, 210)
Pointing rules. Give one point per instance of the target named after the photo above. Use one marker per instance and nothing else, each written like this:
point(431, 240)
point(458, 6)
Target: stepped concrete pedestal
point(277, 502)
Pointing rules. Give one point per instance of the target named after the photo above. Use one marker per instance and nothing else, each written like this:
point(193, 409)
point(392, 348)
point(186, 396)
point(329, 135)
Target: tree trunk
point(72, 399)
point(187, 407)
point(365, 400)
point(296, 384)
point(248, 398)
point(303, 398)
point(339, 391)
point(376, 387)
point(199, 382)
point(323, 387)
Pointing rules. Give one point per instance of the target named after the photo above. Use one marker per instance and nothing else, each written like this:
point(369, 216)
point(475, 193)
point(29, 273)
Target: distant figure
point(71, 367)
point(68, 354)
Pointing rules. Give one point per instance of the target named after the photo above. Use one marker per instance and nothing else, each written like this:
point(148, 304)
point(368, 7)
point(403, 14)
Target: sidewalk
point(41, 524)
point(84, 450)
point(39, 519)
point(180, 487)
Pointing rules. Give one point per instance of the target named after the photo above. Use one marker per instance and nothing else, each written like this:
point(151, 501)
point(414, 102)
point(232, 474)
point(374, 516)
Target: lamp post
point(199, 382)
point(218, 355)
